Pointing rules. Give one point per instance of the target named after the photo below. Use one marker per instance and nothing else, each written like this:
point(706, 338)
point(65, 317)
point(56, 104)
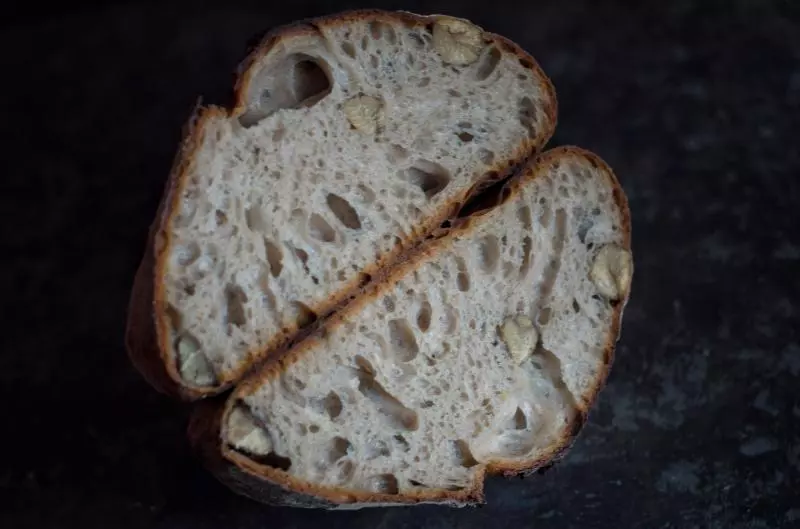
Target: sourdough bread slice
point(352, 138)
point(483, 352)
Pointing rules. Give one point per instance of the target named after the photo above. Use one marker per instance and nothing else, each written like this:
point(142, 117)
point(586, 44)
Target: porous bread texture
point(415, 390)
point(294, 199)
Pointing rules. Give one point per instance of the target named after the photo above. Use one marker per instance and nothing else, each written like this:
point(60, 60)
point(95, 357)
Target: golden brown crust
point(412, 260)
point(149, 346)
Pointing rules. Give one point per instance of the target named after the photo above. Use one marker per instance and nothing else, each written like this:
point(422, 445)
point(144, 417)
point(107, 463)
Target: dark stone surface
point(696, 109)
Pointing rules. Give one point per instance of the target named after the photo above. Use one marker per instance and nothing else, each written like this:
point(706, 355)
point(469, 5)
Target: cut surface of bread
point(481, 353)
point(352, 138)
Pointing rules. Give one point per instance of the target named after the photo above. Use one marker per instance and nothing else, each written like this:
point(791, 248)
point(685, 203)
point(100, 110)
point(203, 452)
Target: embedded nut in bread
point(520, 336)
point(611, 271)
point(245, 434)
point(194, 366)
point(457, 41)
point(364, 113)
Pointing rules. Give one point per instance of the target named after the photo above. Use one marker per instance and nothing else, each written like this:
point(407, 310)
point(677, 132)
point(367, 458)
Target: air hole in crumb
point(295, 383)
point(363, 279)
point(396, 153)
point(402, 340)
point(527, 256)
point(220, 217)
point(489, 253)
point(429, 176)
point(463, 275)
point(426, 404)
point(463, 454)
point(305, 84)
point(584, 227)
point(388, 405)
point(486, 156)
point(402, 442)
point(313, 428)
point(558, 240)
point(319, 229)
point(254, 218)
point(366, 194)
point(274, 257)
point(349, 49)
point(235, 300)
point(425, 81)
point(277, 135)
point(383, 484)
point(174, 317)
point(524, 215)
point(311, 83)
point(416, 39)
point(413, 211)
point(343, 470)
point(519, 421)
point(575, 305)
point(465, 137)
point(415, 483)
point(302, 314)
point(527, 115)
point(186, 255)
point(302, 255)
point(376, 448)
point(268, 296)
point(488, 63)
point(376, 30)
point(273, 460)
point(424, 317)
point(374, 61)
point(339, 448)
point(343, 211)
point(544, 316)
point(379, 30)
point(333, 405)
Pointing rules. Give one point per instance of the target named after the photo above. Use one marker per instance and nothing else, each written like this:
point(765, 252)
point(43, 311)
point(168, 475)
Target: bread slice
point(352, 138)
point(482, 353)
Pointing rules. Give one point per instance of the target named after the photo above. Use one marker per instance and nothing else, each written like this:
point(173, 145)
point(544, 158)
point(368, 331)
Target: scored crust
point(147, 335)
point(252, 479)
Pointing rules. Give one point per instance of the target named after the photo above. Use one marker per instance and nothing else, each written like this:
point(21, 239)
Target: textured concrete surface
point(696, 109)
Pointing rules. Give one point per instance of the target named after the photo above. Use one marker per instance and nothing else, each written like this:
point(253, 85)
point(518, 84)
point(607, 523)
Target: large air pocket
point(297, 81)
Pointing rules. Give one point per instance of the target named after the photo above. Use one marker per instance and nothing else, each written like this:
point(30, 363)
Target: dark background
point(693, 105)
